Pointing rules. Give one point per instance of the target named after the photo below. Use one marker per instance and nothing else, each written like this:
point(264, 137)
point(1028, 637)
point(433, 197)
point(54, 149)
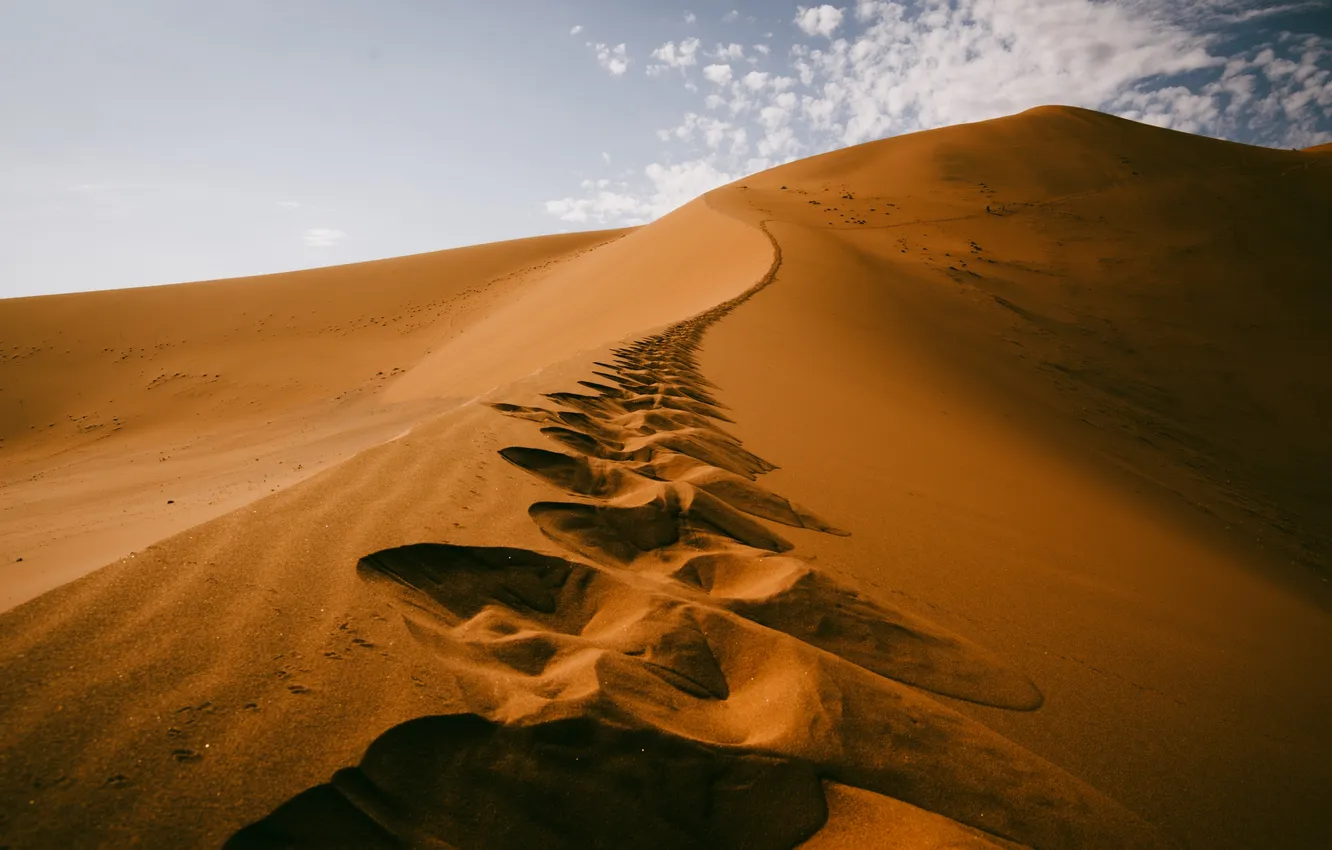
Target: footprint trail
point(680, 677)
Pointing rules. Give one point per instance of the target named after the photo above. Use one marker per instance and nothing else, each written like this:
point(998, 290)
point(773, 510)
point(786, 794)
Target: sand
point(126, 416)
point(962, 489)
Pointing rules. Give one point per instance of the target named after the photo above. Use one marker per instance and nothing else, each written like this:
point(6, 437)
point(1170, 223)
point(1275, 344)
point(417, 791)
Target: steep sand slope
point(1170, 286)
point(587, 607)
point(129, 415)
point(1019, 416)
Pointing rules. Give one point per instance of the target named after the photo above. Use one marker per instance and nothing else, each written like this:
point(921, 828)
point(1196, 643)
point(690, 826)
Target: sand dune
point(964, 489)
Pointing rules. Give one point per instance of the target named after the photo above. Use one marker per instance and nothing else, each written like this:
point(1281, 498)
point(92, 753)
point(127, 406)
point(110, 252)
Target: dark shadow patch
point(462, 781)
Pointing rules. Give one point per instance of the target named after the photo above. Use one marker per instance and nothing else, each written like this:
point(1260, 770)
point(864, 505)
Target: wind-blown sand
point(832, 510)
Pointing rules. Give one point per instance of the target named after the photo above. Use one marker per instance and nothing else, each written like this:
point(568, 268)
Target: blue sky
point(156, 141)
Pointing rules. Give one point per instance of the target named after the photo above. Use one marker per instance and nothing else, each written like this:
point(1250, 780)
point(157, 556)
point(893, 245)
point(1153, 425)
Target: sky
point(146, 142)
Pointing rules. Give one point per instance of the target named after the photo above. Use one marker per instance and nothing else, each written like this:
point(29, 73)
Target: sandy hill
point(967, 488)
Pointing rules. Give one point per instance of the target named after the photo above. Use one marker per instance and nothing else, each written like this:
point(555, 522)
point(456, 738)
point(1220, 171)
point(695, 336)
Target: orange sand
point(831, 510)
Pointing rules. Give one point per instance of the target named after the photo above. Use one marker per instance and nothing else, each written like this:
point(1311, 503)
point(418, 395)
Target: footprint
point(523, 610)
point(675, 515)
point(465, 579)
point(788, 595)
point(450, 781)
point(602, 479)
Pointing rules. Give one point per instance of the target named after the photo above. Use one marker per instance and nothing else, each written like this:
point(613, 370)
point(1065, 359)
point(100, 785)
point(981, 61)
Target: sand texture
point(968, 489)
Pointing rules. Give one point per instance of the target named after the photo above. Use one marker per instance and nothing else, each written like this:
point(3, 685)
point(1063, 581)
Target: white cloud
point(613, 59)
point(680, 55)
point(755, 80)
point(323, 237)
point(711, 131)
point(605, 157)
point(575, 29)
point(730, 16)
point(290, 205)
point(602, 208)
point(690, 17)
point(666, 187)
point(819, 20)
point(679, 184)
point(728, 52)
point(763, 49)
point(739, 141)
point(718, 74)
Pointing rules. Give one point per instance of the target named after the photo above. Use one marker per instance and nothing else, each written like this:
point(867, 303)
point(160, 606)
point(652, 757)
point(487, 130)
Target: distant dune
point(969, 488)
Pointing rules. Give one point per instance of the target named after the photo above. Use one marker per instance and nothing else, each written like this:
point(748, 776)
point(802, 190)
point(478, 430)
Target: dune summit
point(963, 489)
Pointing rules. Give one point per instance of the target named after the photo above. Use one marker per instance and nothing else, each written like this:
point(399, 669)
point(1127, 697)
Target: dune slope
point(129, 415)
point(1170, 287)
point(1083, 427)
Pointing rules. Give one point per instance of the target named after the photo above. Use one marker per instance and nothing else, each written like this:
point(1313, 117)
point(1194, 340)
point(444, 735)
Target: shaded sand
point(1065, 477)
point(774, 523)
point(859, 818)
